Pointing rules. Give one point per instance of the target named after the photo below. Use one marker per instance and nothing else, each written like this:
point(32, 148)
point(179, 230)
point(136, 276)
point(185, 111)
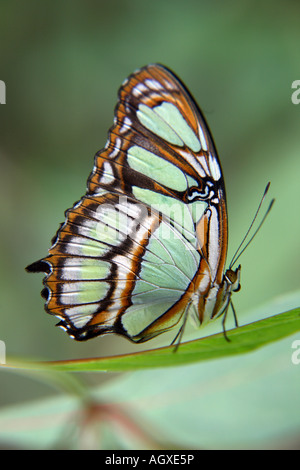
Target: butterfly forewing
point(151, 231)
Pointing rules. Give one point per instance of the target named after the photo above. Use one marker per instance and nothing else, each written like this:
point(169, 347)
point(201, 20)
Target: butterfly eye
point(233, 278)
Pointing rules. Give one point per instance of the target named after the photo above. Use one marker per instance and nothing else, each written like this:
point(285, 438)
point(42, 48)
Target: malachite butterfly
point(145, 248)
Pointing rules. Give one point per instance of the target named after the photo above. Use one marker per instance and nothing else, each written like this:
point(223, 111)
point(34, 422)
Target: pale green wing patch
point(157, 168)
point(166, 121)
point(77, 268)
point(83, 292)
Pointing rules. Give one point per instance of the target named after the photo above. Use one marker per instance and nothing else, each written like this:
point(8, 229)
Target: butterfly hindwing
point(111, 264)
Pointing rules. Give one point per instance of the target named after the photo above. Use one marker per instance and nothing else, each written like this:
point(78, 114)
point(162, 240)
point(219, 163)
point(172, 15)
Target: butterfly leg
point(223, 325)
point(224, 320)
point(234, 315)
point(181, 330)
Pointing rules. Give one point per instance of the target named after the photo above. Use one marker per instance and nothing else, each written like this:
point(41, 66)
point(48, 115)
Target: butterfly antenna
point(237, 254)
point(258, 228)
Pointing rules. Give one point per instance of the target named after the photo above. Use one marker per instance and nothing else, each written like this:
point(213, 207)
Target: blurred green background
point(63, 62)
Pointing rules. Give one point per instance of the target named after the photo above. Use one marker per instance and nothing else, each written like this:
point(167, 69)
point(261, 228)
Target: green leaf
point(242, 340)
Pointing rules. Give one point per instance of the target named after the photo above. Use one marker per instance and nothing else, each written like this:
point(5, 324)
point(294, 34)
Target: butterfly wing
point(152, 227)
